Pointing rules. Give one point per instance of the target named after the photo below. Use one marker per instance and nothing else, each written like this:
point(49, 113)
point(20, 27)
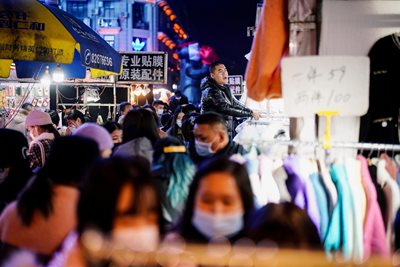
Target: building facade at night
point(127, 25)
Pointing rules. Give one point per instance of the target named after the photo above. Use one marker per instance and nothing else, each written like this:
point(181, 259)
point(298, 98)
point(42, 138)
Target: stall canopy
point(34, 35)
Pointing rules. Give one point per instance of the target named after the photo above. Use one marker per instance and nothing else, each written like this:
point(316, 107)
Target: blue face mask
point(179, 123)
point(218, 225)
point(203, 149)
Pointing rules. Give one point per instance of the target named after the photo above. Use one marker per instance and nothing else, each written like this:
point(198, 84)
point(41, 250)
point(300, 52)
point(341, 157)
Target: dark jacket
point(231, 149)
point(219, 99)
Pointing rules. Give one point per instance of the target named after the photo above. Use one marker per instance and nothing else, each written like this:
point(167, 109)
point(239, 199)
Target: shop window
point(139, 17)
point(110, 39)
point(78, 8)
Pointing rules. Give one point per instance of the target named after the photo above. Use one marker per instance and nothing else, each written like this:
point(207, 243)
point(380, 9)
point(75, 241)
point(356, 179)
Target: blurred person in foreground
point(284, 225)
point(118, 203)
point(219, 203)
point(14, 165)
point(45, 211)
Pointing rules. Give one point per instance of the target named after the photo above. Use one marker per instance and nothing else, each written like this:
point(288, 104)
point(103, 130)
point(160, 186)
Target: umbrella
point(35, 35)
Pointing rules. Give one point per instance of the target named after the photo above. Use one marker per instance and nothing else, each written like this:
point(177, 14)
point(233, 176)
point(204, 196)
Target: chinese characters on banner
point(144, 67)
point(235, 83)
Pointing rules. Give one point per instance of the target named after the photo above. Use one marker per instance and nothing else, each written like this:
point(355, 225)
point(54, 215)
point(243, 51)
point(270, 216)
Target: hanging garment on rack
point(391, 166)
point(353, 174)
point(385, 180)
point(263, 74)
point(300, 187)
point(374, 229)
point(280, 177)
point(340, 233)
point(381, 198)
point(330, 188)
point(322, 203)
point(268, 184)
point(252, 164)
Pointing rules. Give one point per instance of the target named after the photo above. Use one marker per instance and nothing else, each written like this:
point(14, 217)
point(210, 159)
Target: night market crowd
point(162, 171)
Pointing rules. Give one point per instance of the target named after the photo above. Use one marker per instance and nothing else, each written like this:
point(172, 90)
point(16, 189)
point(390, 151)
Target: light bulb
point(46, 79)
point(58, 74)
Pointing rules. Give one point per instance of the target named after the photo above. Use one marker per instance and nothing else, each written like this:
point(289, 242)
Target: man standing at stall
point(217, 97)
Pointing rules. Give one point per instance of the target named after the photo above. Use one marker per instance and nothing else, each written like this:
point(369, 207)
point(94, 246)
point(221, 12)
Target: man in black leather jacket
point(217, 97)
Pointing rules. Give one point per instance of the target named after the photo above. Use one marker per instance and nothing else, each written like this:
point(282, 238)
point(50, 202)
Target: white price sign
point(312, 84)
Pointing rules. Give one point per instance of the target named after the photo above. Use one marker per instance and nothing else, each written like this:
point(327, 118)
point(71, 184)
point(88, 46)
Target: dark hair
point(54, 116)
point(177, 172)
point(158, 102)
point(69, 159)
point(187, 108)
point(101, 191)
point(222, 164)
point(188, 125)
point(74, 115)
point(214, 65)
point(149, 107)
point(140, 123)
point(111, 126)
point(50, 129)
point(285, 224)
point(178, 93)
point(173, 128)
point(211, 118)
point(13, 155)
point(122, 106)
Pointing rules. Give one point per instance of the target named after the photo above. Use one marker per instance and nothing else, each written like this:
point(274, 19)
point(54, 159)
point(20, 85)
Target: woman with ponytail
point(45, 212)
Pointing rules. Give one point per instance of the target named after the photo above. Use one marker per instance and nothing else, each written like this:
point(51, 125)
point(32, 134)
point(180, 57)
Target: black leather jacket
point(219, 99)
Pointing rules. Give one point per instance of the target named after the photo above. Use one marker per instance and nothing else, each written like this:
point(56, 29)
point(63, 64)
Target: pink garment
point(374, 229)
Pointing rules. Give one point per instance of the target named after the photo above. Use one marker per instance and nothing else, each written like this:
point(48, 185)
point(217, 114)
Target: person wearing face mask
point(211, 139)
point(119, 201)
point(176, 125)
point(74, 119)
point(217, 97)
point(42, 132)
point(219, 203)
point(159, 107)
point(178, 99)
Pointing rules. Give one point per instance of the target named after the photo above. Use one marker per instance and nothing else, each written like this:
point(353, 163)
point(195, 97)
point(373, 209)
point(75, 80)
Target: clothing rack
point(347, 145)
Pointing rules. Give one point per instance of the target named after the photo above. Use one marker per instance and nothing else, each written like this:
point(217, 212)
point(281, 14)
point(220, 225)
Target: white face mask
point(203, 149)
point(179, 123)
point(143, 239)
point(218, 225)
point(160, 111)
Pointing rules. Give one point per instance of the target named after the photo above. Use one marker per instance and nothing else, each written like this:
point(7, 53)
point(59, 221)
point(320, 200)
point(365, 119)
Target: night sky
point(221, 24)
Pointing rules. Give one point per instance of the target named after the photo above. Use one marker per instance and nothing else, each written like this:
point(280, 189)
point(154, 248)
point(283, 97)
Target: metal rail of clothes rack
point(349, 145)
